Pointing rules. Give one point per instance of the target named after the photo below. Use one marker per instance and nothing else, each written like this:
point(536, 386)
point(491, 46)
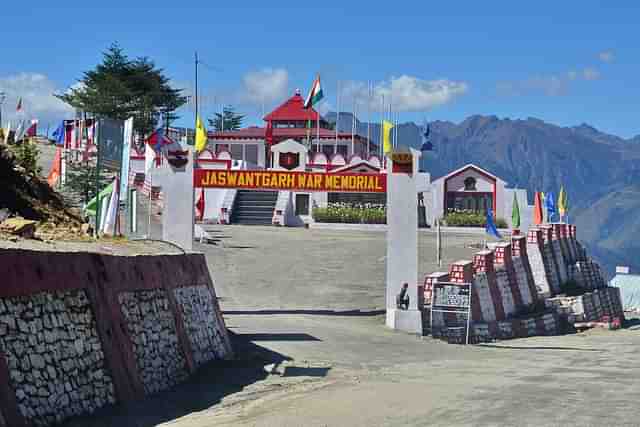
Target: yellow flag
point(201, 135)
point(386, 141)
point(562, 202)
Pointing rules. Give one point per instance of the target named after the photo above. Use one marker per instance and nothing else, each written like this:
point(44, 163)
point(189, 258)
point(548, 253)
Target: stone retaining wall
point(82, 330)
point(204, 328)
point(55, 358)
point(152, 329)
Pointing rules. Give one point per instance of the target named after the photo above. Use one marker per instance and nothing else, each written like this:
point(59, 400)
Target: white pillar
point(178, 196)
point(402, 247)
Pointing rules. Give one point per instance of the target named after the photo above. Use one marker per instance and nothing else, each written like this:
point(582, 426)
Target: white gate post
point(402, 245)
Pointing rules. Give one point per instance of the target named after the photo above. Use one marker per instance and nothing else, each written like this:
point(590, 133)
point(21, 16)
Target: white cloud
point(551, 85)
point(265, 86)
point(405, 93)
point(590, 74)
point(36, 91)
point(607, 56)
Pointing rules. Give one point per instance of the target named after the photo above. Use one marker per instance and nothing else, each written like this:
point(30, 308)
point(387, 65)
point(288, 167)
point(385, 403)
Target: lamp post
point(3, 96)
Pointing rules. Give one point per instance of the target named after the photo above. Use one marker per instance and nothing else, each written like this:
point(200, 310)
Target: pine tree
point(121, 87)
point(230, 119)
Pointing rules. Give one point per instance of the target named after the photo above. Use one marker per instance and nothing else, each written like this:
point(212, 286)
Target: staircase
point(254, 207)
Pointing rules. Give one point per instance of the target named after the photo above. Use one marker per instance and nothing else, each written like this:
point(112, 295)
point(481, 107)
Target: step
point(254, 203)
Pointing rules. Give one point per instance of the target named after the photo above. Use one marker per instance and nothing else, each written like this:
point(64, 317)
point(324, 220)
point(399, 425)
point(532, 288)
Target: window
point(221, 147)
point(327, 149)
point(252, 153)
point(236, 151)
point(470, 184)
point(342, 149)
point(302, 204)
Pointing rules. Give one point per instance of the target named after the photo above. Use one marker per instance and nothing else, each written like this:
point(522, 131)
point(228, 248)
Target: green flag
point(515, 213)
point(91, 207)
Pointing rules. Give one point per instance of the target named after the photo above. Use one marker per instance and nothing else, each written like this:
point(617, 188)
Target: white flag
point(109, 224)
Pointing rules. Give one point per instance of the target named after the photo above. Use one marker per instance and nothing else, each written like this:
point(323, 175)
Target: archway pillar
point(402, 241)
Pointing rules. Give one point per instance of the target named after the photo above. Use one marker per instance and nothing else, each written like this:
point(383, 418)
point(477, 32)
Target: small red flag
point(269, 133)
point(200, 205)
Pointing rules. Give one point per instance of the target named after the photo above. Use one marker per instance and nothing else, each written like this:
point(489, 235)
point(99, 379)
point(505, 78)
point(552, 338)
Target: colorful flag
point(515, 213)
point(159, 141)
point(111, 217)
point(562, 203)
point(58, 134)
point(7, 131)
point(200, 205)
point(19, 131)
point(550, 205)
point(201, 135)
point(490, 226)
point(90, 208)
point(315, 94)
point(537, 208)
point(33, 128)
point(19, 106)
point(268, 136)
point(386, 141)
point(54, 174)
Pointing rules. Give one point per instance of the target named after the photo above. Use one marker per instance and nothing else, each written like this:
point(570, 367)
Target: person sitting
point(402, 299)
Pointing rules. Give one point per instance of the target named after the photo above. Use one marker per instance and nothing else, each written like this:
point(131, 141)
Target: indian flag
point(315, 94)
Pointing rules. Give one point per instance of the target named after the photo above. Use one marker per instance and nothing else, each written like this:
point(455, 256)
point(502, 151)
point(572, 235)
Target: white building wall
point(456, 183)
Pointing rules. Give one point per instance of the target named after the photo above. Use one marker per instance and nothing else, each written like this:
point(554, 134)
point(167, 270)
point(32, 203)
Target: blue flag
point(159, 135)
point(58, 134)
point(550, 205)
point(490, 227)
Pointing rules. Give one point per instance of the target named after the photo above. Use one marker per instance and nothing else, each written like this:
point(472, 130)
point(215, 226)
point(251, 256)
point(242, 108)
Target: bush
point(470, 219)
point(351, 214)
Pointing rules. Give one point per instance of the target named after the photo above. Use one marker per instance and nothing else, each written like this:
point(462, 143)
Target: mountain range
point(599, 171)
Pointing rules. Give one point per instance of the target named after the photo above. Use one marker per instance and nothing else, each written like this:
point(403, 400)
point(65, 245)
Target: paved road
point(295, 268)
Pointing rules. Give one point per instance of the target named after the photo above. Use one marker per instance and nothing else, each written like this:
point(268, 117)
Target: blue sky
point(563, 62)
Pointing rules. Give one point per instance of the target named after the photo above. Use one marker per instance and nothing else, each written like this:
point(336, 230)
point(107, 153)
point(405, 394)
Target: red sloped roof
point(292, 109)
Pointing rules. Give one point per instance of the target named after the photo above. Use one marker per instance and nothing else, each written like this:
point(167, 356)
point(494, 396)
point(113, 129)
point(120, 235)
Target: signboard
point(401, 162)
point(290, 181)
point(452, 298)
point(111, 140)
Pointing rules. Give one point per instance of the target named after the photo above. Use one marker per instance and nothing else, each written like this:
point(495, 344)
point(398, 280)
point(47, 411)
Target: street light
point(3, 96)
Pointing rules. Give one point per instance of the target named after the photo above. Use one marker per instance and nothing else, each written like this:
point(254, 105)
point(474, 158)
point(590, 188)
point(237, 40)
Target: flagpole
point(353, 127)
point(195, 154)
point(368, 119)
point(335, 148)
point(318, 124)
point(196, 86)
point(381, 131)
